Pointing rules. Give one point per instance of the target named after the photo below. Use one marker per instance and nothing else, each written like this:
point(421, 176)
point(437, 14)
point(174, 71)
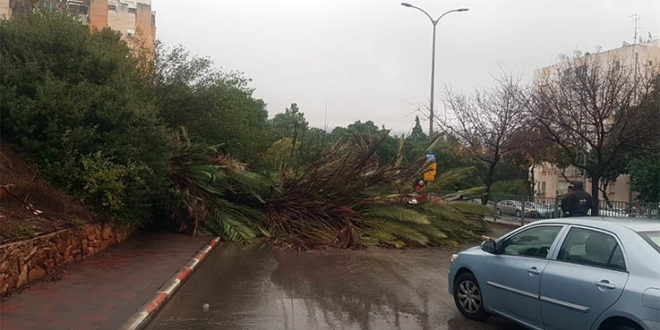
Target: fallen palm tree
point(344, 199)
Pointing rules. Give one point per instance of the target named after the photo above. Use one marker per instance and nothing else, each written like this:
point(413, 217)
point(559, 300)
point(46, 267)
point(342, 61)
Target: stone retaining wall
point(29, 260)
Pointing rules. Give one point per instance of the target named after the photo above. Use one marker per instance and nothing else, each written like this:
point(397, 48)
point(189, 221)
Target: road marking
point(171, 286)
point(183, 274)
point(140, 319)
point(157, 302)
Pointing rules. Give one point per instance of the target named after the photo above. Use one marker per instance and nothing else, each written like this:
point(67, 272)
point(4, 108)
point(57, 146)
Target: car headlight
point(453, 257)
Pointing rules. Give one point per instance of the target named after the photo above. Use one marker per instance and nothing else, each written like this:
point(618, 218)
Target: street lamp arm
point(445, 13)
point(423, 11)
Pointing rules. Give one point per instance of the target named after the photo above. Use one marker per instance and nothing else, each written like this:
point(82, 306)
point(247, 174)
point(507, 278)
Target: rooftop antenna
point(635, 19)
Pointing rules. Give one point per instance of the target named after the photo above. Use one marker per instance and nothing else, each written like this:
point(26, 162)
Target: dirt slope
point(29, 205)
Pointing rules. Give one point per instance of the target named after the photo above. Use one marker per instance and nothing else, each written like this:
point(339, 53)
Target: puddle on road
point(258, 288)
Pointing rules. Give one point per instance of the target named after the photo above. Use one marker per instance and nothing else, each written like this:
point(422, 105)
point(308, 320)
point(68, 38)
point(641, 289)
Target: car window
point(592, 248)
point(652, 237)
point(533, 242)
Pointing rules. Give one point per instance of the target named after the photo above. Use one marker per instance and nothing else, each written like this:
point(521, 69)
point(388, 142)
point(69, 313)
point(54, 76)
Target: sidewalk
point(103, 291)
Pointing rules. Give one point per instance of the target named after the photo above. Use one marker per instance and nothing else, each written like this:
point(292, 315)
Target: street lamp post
point(435, 23)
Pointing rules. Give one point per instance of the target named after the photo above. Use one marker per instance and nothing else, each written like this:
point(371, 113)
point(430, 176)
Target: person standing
point(579, 202)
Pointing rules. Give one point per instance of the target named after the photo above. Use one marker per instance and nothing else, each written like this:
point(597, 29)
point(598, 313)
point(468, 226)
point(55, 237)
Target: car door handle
point(534, 271)
point(605, 284)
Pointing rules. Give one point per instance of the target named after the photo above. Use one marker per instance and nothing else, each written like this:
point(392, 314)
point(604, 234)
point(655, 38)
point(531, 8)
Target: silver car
point(509, 207)
point(572, 273)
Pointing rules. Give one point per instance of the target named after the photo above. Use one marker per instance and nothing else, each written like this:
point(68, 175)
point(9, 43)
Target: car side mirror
point(488, 246)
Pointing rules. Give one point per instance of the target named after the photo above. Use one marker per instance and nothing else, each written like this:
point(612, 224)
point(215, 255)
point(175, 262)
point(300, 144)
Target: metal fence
point(529, 208)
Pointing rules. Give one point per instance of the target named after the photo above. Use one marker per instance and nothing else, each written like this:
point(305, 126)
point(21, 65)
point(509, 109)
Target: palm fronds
point(396, 213)
point(344, 199)
point(230, 228)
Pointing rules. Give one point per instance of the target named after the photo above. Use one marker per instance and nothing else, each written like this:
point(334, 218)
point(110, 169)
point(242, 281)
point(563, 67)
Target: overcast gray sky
point(371, 59)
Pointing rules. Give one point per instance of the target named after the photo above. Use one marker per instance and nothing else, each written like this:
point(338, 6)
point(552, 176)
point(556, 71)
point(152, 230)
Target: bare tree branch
point(487, 122)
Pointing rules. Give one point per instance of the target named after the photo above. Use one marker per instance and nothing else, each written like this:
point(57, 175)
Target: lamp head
point(405, 4)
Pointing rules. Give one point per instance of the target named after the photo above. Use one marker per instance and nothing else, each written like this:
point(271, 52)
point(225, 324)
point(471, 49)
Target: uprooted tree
point(595, 111)
point(345, 199)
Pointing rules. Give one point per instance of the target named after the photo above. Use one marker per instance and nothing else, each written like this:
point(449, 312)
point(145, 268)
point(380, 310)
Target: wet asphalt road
point(260, 288)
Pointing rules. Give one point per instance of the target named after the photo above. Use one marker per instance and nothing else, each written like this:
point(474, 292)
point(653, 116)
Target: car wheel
point(517, 214)
point(468, 298)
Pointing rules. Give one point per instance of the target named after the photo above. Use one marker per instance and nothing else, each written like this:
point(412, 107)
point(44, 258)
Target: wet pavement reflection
point(260, 288)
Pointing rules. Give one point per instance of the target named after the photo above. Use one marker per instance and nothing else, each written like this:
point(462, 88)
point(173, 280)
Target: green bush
point(70, 96)
point(644, 172)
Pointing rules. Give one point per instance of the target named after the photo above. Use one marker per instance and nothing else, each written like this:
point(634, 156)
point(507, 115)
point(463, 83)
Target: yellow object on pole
point(429, 173)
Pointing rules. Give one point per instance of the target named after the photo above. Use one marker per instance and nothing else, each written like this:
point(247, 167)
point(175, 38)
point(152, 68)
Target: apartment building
point(5, 9)
point(551, 181)
point(133, 18)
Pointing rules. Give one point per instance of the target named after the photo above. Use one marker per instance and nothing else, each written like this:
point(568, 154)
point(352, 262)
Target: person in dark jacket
point(579, 202)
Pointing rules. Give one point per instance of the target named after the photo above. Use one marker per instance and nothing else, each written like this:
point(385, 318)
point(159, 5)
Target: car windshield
point(652, 237)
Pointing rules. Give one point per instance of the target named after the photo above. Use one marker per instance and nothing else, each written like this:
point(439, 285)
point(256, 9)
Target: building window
point(76, 10)
point(112, 7)
point(132, 10)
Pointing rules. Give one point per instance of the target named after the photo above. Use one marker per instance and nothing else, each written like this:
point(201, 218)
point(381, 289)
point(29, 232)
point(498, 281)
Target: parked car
point(614, 212)
point(544, 211)
point(594, 273)
point(490, 204)
point(510, 207)
point(531, 209)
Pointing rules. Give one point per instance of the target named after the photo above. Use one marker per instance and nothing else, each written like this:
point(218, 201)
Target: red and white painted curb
point(140, 319)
